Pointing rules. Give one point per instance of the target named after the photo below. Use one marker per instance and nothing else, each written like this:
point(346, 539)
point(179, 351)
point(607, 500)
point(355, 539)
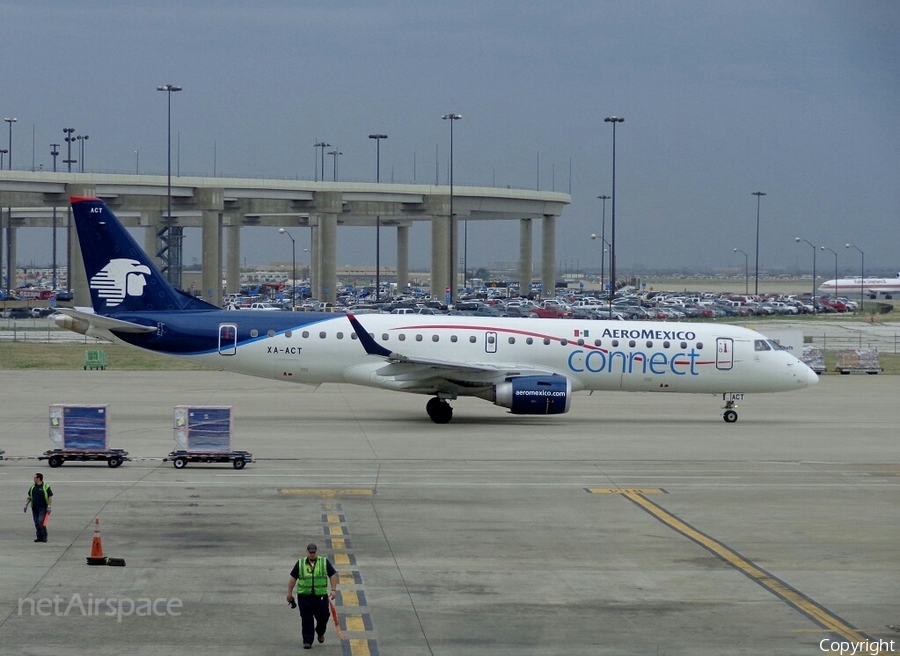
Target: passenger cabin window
point(453, 338)
point(761, 345)
point(472, 339)
point(254, 332)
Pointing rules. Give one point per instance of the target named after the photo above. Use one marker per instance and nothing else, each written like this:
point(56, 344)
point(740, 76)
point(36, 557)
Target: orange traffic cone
point(96, 557)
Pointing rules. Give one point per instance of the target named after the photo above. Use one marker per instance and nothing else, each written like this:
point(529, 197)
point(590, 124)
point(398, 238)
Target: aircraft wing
point(105, 323)
point(415, 371)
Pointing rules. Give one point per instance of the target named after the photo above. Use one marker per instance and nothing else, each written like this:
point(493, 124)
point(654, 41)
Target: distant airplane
point(531, 366)
point(873, 286)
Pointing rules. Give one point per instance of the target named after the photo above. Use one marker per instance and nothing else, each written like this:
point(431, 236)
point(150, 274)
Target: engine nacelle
point(534, 395)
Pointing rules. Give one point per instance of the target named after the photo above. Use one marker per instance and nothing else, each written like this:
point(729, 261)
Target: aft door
point(227, 339)
point(724, 353)
point(490, 342)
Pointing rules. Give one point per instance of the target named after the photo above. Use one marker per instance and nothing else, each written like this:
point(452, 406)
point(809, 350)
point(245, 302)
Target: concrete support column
point(150, 242)
point(328, 248)
point(548, 256)
point(11, 248)
point(211, 256)
point(402, 258)
point(440, 245)
point(232, 258)
point(77, 280)
point(525, 255)
point(314, 277)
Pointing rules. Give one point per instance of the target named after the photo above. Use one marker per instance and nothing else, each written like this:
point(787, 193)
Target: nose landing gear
point(730, 415)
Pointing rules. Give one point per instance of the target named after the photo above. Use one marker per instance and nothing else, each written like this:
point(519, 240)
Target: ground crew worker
point(311, 576)
point(40, 496)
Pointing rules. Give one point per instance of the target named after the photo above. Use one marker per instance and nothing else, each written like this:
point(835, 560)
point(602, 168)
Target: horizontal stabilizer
point(107, 323)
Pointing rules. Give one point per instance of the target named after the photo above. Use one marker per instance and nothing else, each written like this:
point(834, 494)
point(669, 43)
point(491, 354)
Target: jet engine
point(534, 395)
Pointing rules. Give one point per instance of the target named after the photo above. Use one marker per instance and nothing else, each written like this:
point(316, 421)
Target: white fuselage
point(593, 355)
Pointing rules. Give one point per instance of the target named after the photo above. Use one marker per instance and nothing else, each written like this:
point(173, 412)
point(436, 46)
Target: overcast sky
point(798, 99)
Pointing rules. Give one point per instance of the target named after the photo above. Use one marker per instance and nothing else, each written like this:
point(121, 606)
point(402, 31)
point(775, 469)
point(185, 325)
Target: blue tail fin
point(120, 275)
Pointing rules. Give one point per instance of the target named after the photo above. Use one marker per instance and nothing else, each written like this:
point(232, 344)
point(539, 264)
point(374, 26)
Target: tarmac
point(635, 524)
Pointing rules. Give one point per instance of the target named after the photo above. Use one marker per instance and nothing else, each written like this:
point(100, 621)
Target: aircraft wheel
point(730, 416)
point(439, 411)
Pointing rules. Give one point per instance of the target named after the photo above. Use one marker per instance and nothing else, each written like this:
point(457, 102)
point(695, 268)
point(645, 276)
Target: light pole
point(452, 268)
point(746, 270)
point(758, 195)
point(603, 198)
point(69, 139)
point(334, 155)
point(862, 275)
point(612, 246)
point(54, 152)
point(137, 162)
point(825, 248)
point(10, 121)
point(293, 267)
point(164, 232)
point(68, 161)
point(378, 138)
point(798, 240)
point(81, 139)
point(323, 146)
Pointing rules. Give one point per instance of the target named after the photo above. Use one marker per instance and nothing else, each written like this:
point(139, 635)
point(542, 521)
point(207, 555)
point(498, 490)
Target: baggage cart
point(58, 457)
point(81, 434)
point(203, 435)
point(237, 458)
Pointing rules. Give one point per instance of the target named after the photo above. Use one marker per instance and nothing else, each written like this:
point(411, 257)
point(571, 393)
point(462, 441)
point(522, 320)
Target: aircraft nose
point(812, 378)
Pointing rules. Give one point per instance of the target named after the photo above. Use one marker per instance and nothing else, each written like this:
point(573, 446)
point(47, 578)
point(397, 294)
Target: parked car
point(20, 313)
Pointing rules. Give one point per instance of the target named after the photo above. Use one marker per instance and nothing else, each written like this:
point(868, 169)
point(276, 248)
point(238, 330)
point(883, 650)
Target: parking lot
point(635, 524)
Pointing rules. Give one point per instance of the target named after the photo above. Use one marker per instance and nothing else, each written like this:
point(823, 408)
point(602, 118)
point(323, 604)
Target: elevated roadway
point(221, 207)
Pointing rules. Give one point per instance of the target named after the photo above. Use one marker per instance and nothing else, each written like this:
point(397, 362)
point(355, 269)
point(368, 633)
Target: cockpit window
point(775, 346)
point(761, 345)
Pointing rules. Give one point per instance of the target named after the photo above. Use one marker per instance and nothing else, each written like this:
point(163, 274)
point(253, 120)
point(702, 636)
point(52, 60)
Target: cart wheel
point(730, 416)
point(239, 463)
point(180, 463)
point(114, 462)
point(55, 461)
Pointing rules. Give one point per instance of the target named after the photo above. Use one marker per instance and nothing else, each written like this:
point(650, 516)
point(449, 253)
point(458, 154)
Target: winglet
point(372, 347)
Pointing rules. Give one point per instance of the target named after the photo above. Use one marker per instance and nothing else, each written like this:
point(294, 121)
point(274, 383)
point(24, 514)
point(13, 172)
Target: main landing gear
point(439, 410)
point(730, 415)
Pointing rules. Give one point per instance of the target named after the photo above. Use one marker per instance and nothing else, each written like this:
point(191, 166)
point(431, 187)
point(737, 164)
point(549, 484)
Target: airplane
point(531, 366)
point(873, 286)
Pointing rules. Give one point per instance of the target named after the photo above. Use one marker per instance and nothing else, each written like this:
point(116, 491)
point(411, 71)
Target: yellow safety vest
point(45, 488)
point(312, 580)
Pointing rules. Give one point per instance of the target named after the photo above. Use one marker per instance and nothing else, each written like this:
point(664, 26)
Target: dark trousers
point(313, 616)
point(40, 529)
